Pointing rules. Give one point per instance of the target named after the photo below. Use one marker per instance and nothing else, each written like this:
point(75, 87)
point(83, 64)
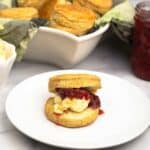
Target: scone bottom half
point(75, 103)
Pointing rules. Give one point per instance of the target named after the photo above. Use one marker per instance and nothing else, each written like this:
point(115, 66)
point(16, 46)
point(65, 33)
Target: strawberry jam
point(140, 58)
point(79, 93)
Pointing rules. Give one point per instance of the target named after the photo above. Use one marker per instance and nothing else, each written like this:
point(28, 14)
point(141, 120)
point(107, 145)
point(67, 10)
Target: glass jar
point(140, 57)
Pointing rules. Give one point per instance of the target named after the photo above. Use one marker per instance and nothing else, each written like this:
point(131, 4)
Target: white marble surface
point(110, 56)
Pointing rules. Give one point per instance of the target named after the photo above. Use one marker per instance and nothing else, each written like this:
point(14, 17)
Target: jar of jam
point(140, 56)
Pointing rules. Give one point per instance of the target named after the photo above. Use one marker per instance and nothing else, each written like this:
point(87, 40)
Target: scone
point(25, 13)
point(46, 10)
point(45, 7)
point(92, 82)
point(72, 18)
point(31, 3)
point(99, 6)
point(74, 103)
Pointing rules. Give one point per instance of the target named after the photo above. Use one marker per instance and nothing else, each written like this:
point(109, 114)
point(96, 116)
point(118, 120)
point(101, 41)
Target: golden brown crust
point(72, 18)
point(25, 13)
point(45, 7)
point(99, 6)
point(74, 81)
point(31, 3)
point(46, 10)
point(71, 119)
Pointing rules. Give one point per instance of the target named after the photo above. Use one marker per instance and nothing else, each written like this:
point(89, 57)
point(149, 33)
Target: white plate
point(127, 113)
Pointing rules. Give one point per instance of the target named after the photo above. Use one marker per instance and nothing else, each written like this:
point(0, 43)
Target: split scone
point(25, 13)
point(74, 104)
point(98, 6)
point(72, 18)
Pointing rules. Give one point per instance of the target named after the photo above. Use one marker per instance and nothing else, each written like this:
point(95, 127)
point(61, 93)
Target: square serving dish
point(62, 48)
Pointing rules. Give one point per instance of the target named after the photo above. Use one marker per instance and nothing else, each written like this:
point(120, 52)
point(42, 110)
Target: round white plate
point(127, 113)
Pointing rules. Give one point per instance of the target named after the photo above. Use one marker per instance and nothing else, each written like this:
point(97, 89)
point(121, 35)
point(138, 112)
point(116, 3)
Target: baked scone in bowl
point(74, 103)
point(68, 33)
point(70, 36)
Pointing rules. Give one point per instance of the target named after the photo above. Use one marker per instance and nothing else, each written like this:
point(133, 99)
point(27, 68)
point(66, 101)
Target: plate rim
point(61, 145)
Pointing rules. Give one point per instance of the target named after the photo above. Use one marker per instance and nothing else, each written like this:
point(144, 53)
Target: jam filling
point(79, 93)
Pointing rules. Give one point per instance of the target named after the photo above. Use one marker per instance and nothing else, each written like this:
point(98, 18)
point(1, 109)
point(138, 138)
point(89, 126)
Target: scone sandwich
point(74, 103)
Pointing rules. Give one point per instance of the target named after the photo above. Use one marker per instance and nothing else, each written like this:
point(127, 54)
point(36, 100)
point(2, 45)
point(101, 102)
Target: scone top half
point(87, 81)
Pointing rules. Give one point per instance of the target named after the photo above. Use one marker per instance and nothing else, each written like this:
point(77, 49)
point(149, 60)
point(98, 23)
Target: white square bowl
point(62, 48)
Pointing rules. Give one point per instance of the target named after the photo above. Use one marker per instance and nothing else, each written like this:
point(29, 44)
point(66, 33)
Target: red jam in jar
point(140, 57)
